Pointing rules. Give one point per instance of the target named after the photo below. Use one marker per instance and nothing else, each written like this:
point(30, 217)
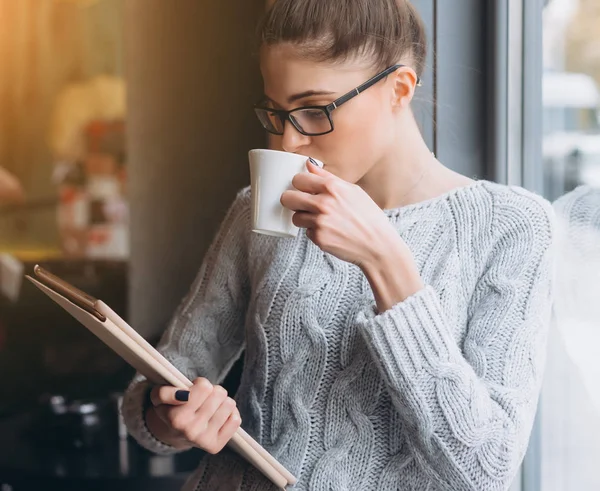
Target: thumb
point(171, 396)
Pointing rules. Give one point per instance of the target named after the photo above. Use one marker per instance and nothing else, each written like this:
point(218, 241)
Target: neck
point(406, 174)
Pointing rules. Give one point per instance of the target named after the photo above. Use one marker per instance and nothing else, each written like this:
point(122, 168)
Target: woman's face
point(364, 127)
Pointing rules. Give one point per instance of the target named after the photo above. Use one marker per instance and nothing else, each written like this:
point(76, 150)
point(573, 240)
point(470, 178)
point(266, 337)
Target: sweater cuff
point(134, 412)
point(410, 337)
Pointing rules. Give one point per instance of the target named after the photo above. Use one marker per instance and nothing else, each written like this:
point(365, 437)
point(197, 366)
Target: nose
point(292, 140)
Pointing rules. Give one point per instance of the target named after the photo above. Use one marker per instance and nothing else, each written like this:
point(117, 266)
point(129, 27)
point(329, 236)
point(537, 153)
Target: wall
point(450, 107)
point(192, 79)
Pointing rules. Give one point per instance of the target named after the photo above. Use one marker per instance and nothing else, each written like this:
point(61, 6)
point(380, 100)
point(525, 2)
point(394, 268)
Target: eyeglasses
point(314, 120)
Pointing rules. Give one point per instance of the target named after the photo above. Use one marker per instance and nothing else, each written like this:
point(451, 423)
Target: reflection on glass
point(570, 403)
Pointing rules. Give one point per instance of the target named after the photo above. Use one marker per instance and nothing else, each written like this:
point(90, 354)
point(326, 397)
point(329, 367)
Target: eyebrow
point(302, 95)
point(308, 93)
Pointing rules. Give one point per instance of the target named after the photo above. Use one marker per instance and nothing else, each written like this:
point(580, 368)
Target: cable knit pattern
point(438, 393)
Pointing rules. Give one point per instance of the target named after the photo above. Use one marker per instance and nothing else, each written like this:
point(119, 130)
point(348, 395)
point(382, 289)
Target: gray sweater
point(438, 393)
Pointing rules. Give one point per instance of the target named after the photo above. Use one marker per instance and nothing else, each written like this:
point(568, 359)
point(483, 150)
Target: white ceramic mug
point(271, 174)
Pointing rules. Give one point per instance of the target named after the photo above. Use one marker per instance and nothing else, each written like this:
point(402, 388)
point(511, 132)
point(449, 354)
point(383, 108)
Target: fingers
point(166, 398)
point(223, 413)
point(312, 189)
point(304, 219)
point(211, 405)
point(208, 419)
point(200, 391)
point(206, 429)
point(299, 201)
point(309, 183)
point(229, 428)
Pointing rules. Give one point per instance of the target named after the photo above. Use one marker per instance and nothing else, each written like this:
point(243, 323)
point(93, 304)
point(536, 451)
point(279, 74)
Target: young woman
point(398, 342)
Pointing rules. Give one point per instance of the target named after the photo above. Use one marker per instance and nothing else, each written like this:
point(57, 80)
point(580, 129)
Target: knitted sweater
point(438, 393)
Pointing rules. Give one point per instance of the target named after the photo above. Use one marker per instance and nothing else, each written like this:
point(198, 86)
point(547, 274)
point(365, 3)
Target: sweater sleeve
point(469, 409)
point(206, 335)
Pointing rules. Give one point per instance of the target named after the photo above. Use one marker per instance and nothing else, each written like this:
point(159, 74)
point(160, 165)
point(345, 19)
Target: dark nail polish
point(313, 162)
point(182, 395)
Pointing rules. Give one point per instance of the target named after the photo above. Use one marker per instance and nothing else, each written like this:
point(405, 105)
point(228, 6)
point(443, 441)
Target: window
point(569, 418)
point(62, 130)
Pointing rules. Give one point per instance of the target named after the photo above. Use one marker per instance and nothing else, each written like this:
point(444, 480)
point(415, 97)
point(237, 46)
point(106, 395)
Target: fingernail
point(182, 395)
point(314, 162)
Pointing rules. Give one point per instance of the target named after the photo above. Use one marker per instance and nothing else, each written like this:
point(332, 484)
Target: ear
point(404, 84)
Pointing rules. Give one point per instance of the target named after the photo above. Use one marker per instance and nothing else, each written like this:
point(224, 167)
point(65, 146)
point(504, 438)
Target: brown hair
point(336, 30)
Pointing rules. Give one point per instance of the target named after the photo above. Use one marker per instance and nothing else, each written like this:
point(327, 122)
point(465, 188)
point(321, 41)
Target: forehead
point(285, 72)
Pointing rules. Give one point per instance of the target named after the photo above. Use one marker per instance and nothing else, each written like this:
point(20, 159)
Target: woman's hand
point(208, 419)
point(339, 217)
point(343, 220)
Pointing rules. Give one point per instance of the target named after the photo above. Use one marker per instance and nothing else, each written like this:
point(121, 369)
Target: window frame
point(515, 129)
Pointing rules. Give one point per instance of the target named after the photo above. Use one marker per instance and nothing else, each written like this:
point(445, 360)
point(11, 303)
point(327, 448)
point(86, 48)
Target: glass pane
point(62, 139)
point(570, 403)
point(63, 188)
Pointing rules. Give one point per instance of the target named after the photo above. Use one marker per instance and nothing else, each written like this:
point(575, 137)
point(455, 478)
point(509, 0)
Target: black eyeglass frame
point(328, 109)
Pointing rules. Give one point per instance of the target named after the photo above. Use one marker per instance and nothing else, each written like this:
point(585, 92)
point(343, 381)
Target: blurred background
point(119, 156)
point(124, 127)
point(571, 98)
